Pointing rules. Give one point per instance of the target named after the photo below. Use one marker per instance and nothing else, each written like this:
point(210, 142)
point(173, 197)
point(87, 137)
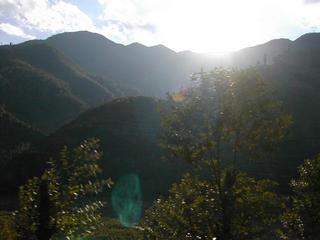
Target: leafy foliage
point(302, 220)
point(225, 110)
point(113, 230)
point(62, 201)
point(200, 209)
point(226, 114)
point(7, 227)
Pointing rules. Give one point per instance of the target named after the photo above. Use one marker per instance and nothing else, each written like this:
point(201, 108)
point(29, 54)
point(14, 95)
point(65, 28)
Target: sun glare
point(209, 26)
point(221, 26)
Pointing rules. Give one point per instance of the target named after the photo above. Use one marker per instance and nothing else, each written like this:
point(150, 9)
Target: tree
point(62, 202)
point(302, 220)
point(196, 209)
point(7, 227)
point(226, 116)
point(226, 111)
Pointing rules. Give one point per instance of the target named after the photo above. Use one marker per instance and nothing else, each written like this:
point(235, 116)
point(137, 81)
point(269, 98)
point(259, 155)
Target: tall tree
point(226, 111)
point(226, 116)
point(62, 202)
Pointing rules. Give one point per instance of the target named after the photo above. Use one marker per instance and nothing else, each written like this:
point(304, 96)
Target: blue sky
point(198, 25)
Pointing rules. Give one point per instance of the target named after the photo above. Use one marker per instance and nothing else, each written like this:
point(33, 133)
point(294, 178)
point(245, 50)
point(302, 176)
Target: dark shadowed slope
point(263, 54)
point(274, 50)
point(295, 78)
point(36, 97)
point(45, 89)
point(309, 40)
point(14, 131)
point(16, 139)
point(129, 132)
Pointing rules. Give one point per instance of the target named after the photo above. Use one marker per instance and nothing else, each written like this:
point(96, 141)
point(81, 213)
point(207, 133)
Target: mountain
point(44, 88)
point(294, 77)
point(261, 54)
point(129, 132)
point(304, 52)
point(68, 87)
point(129, 127)
point(153, 71)
point(292, 70)
point(309, 40)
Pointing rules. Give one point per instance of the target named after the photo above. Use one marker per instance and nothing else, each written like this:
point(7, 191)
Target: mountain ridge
point(41, 69)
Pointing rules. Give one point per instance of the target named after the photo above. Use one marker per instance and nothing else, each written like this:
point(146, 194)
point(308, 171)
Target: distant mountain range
point(47, 83)
point(77, 85)
point(152, 71)
point(269, 52)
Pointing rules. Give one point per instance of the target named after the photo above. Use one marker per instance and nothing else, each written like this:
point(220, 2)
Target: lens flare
point(126, 198)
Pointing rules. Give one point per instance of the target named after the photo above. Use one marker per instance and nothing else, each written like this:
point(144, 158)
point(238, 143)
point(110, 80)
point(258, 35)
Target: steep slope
point(295, 79)
point(309, 40)
point(36, 97)
point(263, 54)
point(129, 132)
point(45, 89)
point(304, 52)
point(17, 139)
point(50, 60)
point(14, 131)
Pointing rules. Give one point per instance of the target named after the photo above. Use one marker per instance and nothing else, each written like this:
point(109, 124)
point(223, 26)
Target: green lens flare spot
point(126, 198)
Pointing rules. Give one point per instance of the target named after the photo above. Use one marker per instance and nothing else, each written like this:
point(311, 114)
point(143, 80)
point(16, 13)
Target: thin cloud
point(15, 31)
point(133, 20)
point(146, 27)
point(45, 15)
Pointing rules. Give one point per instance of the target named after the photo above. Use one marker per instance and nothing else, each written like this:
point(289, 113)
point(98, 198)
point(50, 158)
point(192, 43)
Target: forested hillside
point(17, 139)
point(231, 121)
point(294, 77)
point(45, 89)
point(129, 131)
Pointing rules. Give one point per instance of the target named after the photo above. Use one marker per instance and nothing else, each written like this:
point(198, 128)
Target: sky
point(196, 25)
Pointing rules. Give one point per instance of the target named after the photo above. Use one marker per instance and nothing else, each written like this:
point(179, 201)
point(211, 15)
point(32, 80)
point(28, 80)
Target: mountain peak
point(309, 40)
point(80, 35)
point(136, 45)
point(163, 47)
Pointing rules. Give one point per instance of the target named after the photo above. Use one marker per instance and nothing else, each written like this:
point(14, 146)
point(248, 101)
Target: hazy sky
point(198, 25)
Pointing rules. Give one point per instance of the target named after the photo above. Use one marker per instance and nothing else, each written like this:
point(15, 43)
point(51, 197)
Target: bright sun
point(218, 26)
